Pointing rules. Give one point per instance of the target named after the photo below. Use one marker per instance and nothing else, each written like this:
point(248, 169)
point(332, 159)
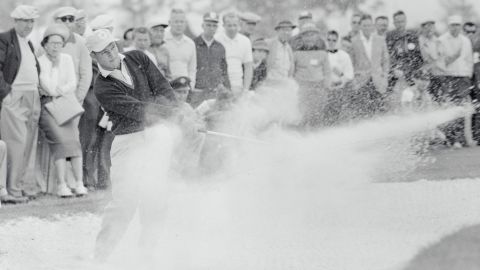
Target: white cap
point(157, 22)
point(25, 12)
point(102, 21)
point(64, 11)
point(99, 40)
point(455, 19)
point(81, 14)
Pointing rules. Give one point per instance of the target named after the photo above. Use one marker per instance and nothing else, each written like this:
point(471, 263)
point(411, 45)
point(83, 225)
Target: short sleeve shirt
point(238, 52)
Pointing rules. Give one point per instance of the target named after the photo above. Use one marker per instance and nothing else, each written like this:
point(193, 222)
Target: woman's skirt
point(64, 140)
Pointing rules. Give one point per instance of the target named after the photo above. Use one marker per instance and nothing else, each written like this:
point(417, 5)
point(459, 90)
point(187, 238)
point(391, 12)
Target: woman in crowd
point(312, 72)
point(57, 78)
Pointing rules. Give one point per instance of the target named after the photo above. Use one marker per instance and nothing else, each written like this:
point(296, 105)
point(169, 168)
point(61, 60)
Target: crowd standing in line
point(368, 71)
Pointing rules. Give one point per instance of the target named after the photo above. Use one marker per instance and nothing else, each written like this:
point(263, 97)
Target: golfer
point(136, 96)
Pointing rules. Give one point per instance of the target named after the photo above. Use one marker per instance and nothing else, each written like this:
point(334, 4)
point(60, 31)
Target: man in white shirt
point(238, 49)
point(340, 62)
point(280, 60)
point(458, 73)
point(81, 26)
point(181, 49)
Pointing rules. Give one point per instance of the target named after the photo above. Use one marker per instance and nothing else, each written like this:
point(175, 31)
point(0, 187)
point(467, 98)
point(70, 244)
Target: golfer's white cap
point(99, 40)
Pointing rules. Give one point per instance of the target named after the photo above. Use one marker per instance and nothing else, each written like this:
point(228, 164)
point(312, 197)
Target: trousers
point(19, 117)
point(140, 165)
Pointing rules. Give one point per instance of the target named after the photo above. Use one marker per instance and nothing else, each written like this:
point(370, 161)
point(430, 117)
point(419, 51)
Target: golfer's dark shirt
point(131, 109)
point(211, 65)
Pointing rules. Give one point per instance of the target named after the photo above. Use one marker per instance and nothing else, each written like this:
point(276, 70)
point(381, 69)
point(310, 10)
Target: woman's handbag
point(64, 108)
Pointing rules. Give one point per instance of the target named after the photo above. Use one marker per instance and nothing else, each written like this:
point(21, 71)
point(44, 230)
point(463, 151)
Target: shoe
point(457, 145)
point(63, 191)
point(30, 196)
point(80, 190)
point(3, 192)
point(9, 199)
point(472, 143)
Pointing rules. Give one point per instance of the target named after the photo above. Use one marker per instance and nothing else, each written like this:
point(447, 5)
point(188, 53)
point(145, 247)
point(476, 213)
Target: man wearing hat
point(238, 50)
point(458, 73)
point(212, 69)
point(303, 18)
point(75, 47)
point(20, 102)
point(187, 153)
point(81, 23)
point(280, 63)
point(136, 96)
point(158, 49)
point(248, 24)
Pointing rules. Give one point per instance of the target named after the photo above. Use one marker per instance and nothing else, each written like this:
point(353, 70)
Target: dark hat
point(180, 82)
point(211, 17)
point(285, 24)
point(305, 15)
point(422, 74)
point(427, 21)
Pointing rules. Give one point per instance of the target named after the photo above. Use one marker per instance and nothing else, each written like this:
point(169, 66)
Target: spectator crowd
point(56, 137)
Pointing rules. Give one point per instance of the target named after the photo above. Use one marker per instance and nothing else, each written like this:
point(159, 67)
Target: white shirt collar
point(22, 39)
point(105, 72)
point(235, 38)
point(209, 43)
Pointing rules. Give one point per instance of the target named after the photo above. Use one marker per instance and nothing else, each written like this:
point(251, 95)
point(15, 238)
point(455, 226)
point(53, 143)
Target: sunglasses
point(67, 18)
point(331, 40)
point(470, 32)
